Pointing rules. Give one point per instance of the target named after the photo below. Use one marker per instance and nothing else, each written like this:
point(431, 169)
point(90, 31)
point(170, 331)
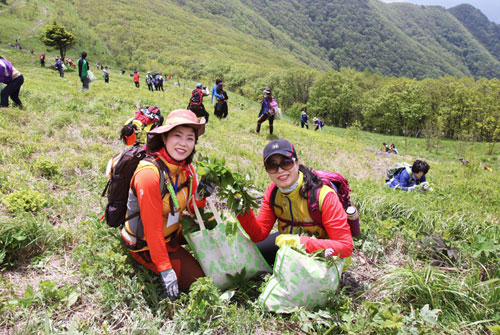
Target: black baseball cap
point(279, 147)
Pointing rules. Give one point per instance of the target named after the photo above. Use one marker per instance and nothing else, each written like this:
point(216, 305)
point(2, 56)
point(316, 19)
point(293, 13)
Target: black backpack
point(120, 169)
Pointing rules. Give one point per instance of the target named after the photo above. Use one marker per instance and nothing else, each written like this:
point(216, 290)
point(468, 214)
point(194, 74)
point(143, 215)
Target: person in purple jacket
point(14, 80)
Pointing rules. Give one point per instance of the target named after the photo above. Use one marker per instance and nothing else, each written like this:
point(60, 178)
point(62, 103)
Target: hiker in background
point(294, 181)
point(83, 71)
point(136, 78)
point(267, 111)
point(393, 149)
point(105, 74)
point(160, 82)
point(14, 80)
point(123, 72)
point(304, 120)
point(385, 147)
point(220, 109)
point(42, 60)
point(155, 81)
point(196, 102)
point(59, 67)
point(318, 124)
point(134, 130)
point(156, 231)
point(149, 81)
point(406, 178)
point(214, 91)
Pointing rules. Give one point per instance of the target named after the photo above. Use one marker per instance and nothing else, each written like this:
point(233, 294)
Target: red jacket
point(334, 222)
point(136, 77)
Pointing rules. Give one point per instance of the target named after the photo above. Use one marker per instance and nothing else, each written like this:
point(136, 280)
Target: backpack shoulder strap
point(272, 198)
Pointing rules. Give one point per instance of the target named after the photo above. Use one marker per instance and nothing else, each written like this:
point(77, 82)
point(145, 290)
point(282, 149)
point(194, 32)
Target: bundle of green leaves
point(230, 185)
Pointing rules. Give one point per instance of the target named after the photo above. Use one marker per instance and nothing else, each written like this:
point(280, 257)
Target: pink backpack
point(273, 107)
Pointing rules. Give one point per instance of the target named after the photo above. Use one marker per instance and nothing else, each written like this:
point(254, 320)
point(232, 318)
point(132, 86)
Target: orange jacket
point(155, 211)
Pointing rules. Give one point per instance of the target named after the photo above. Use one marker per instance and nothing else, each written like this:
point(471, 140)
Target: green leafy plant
point(231, 186)
point(47, 168)
point(25, 200)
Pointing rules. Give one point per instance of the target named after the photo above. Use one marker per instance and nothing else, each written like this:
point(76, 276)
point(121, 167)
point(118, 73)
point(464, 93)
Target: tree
point(55, 35)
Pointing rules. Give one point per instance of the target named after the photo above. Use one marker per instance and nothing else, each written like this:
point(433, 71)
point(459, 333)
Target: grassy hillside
point(425, 263)
point(245, 40)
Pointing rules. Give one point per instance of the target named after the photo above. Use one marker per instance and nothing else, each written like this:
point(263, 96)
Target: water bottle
point(353, 220)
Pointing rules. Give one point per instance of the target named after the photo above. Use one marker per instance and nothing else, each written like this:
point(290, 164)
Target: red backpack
point(341, 187)
point(196, 99)
point(149, 115)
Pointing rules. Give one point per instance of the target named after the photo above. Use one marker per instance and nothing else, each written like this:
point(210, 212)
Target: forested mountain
point(485, 31)
point(243, 38)
point(390, 39)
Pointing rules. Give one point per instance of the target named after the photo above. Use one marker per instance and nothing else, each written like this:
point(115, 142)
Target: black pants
point(200, 112)
point(136, 83)
point(264, 118)
point(150, 87)
point(85, 82)
point(12, 90)
point(302, 124)
point(221, 109)
point(61, 72)
point(268, 249)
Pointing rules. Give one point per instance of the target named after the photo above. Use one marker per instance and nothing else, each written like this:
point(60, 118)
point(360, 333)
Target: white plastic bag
point(219, 257)
point(91, 75)
point(299, 280)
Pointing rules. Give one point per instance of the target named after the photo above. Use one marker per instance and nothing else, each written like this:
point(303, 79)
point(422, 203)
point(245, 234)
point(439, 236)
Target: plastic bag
point(91, 75)
point(220, 256)
point(299, 280)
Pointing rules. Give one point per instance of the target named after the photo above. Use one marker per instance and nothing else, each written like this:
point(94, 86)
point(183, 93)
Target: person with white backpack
point(268, 110)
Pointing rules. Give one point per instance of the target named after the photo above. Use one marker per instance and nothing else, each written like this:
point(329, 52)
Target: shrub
point(25, 201)
point(47, 168)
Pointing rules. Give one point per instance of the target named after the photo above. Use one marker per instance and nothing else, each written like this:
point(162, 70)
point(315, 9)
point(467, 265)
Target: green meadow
point(425, 263)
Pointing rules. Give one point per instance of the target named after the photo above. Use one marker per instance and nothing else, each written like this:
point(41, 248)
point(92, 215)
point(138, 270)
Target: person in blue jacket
point(214, 91)
point(411, 179)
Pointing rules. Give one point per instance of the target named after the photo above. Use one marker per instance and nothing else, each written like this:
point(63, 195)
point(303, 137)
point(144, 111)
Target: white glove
point(169, 283)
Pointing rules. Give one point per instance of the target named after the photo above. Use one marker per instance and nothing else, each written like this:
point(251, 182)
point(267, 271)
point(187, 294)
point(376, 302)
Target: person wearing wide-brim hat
point(153, 236)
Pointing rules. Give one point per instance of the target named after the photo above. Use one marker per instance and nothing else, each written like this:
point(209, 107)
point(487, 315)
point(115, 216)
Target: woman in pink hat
point(163, 186)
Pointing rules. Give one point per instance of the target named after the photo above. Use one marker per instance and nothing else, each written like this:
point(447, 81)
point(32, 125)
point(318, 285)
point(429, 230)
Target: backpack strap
point(313, 205)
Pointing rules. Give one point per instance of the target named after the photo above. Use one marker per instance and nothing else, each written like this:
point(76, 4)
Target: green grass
point(59, 144)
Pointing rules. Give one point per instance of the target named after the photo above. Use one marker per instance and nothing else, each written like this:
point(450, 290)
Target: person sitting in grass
point(410, 179)
point(154, 237)
point(290, 208)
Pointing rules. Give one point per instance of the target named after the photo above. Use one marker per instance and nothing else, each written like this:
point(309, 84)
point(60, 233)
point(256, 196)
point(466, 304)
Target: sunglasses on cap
point(285, 164)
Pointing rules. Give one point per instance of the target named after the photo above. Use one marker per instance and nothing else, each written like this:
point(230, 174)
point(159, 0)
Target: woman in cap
point(163, 186)
point(290, 208)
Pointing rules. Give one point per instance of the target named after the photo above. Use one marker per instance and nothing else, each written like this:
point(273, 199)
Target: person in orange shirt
point(163, 186)
point(136, 79)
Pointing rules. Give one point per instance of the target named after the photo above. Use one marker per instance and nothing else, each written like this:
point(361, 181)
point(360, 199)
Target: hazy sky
point(490, 8)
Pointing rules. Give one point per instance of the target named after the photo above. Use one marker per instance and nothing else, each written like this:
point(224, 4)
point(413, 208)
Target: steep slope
point(246, 39)
point(485, 31)
point(391, 39)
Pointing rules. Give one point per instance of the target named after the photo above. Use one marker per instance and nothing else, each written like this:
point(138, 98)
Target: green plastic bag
point(219, 255)
point(299, 280)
